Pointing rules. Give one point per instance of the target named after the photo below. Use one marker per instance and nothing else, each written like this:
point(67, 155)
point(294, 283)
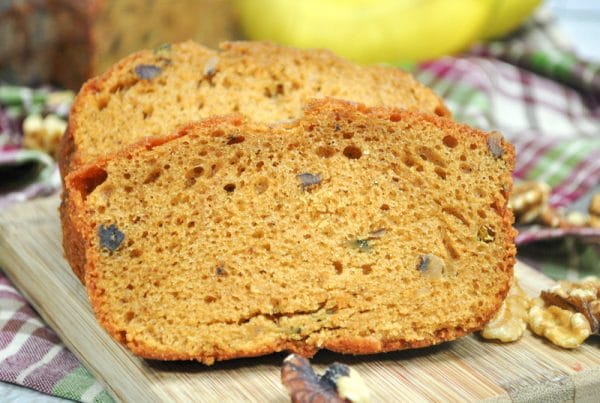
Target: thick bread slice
point(352, 229)
point(153, 92)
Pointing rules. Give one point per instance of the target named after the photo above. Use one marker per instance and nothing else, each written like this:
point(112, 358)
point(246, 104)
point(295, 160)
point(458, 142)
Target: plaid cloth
point(530, 86)
point(32, 355)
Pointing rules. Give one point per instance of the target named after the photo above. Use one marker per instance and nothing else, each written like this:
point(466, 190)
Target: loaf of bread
point(353, 229)
point(153, 92)
point(66, 42)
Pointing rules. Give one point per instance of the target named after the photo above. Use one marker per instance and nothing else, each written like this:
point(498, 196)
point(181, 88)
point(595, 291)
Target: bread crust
point(78, 245)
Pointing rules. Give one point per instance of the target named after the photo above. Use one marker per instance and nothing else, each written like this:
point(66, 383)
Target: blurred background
point(65, 42)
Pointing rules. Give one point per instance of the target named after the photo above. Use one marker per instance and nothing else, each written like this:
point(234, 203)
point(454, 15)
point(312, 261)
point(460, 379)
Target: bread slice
point(353, 229)
point(153, 92)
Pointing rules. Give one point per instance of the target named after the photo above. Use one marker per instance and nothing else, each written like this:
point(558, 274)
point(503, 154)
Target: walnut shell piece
point(43, 133)
point(594, 207)
point(562, 327)
point(338, 384)
point(303, 384)
point(529, 200)
point(510, 321)
point(594, 210)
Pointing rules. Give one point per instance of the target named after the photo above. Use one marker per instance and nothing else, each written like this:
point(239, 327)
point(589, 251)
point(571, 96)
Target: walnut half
point(528, 200)
point(561, 326)
point(581, 296)
point(510, 321)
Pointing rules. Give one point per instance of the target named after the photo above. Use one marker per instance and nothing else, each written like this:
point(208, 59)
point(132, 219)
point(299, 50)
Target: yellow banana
point(368, 31)
point(509, 15)
point(373, 31)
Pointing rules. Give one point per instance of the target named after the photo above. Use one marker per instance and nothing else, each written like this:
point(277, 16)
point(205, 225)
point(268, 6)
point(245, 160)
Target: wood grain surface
point(469, 369)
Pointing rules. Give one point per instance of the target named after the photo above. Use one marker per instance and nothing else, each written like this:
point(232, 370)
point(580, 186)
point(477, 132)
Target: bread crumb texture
point(353, 229)
point(152, 92)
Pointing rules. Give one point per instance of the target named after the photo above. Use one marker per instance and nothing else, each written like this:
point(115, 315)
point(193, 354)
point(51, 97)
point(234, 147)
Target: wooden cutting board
point(466, 369)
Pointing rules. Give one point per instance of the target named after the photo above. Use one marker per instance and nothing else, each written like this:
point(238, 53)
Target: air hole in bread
point(213, 169)
point(440, 111)
point(129, 316)
point(194, 173)
point(450, 141)
point(339, 268)
point(432, 156)
point(235, 140)
point(152, 176)
point(348, 135)
point(454, 211)
point(440, 172)
point(279, 89)
point(352, 152)
point(230, 187)
point(395, 117)
point(90, 180)
point(450, 248)
point(147, 111)
point(102, 102)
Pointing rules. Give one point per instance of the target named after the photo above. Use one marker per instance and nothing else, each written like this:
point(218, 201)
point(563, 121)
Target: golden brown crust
point(72, 238)
point(81, 182)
